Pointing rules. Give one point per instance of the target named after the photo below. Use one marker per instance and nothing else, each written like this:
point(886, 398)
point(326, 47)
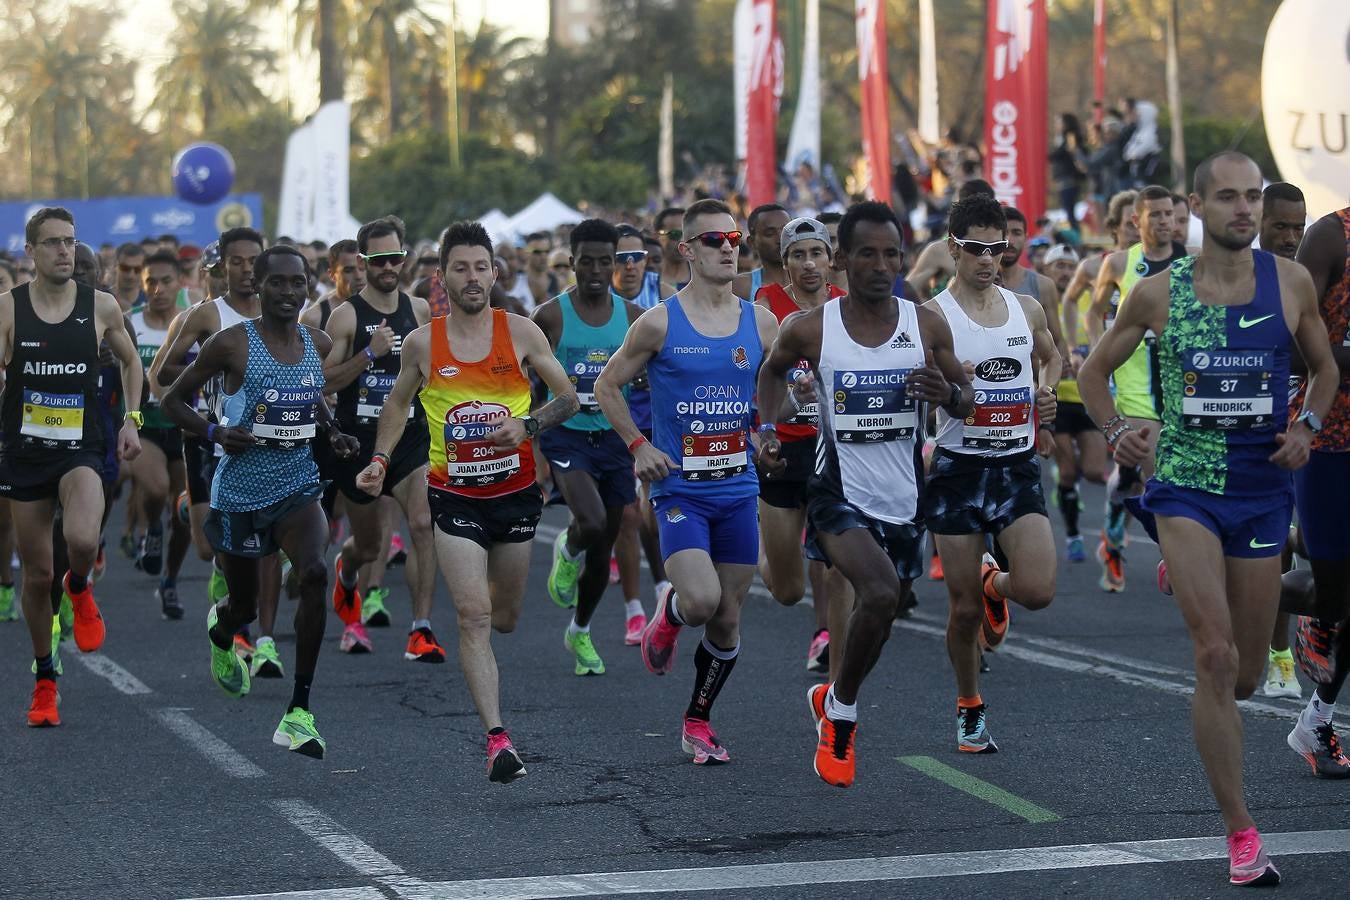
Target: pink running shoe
point(658, 640)
point(700, 741)
point(1247, 861)
point(1164, 584)
point(818, 654)
point(613, 570)
point(636, 625)
point(355, 639)
point(398, 552)
point(503, 762)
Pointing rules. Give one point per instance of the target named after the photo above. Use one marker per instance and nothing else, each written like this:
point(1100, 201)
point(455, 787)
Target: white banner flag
point(315, 185)
point(804, 142)
point(743, 45)
point(929, 128)
point(297, 184)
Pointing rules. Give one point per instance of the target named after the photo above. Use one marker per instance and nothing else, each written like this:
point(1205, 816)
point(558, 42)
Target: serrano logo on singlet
point(1000, 368)
point(447, 371)
point(474, 420)
point(45, 368)
point(714, 400)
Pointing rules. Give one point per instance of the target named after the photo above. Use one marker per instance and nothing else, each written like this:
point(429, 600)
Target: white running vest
point(1001, 423)
point(868, 423)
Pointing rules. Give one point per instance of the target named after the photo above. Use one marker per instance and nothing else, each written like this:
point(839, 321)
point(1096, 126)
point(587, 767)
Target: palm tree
point(216, 63)
point(487, 63)
point(388, 24)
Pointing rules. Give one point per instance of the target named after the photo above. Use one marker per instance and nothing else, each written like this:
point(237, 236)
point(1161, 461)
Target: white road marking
point(120, 678)
point(356, 893)
point(841, 871)
point(347, 847)
point(199, 738)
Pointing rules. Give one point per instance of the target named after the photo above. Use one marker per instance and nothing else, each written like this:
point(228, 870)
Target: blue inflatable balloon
point(203, 173)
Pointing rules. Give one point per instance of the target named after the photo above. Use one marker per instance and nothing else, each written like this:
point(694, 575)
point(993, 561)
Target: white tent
point(546, 213)
point(498, 225)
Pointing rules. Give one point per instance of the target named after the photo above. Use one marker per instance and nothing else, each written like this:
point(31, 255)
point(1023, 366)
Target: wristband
point(1114, 420)
point(1116, 435)
point(381, 459)
point(370, 354)
point(632, 448)
point(767, 426)
point(211, 432)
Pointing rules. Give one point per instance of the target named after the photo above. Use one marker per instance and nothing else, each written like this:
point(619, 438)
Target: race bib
point(1228, 390)
point(808, 413)
point(582, 370)
point(999, 420)
point(471, 460)
point(872, 406)
point(374, 390)
point(53, 417)
point(285, 419)
point(713, 457)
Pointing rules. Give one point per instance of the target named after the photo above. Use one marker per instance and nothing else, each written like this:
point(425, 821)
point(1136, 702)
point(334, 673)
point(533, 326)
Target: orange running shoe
point(835, 762)
point(815, 697)
point(994, 628)
point(423, 647)
point(89, 630)
point(45, 700)
point(935, 569)
point(346, 601)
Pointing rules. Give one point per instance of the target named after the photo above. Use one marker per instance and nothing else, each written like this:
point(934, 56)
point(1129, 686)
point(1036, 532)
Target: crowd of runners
point(838, 421)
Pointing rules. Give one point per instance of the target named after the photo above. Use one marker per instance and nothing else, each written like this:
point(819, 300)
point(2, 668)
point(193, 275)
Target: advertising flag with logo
point(1015, 117)
point(760, 58)
point(876, 117)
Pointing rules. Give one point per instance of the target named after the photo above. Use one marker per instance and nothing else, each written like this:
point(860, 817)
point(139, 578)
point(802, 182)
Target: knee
point(313, 576)
point(504, 620)
point(37, 578)
point(878, 599)
point(587, 532)
point(475, 622)
point(419, 524)
point(1033, 593)
point(1217, 662)
point(788, 590)
point(964, 618)
point(1096, 476)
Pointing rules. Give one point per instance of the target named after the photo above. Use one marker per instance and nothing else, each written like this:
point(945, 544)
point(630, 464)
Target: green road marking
point(976, 788)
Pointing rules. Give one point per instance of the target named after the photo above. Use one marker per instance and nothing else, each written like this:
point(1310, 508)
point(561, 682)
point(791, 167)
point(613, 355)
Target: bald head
point(1227, 161)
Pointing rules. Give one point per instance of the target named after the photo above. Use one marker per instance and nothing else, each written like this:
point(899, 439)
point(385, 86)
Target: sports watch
point(1310, 417)
point(136, 417)
point(531, 425)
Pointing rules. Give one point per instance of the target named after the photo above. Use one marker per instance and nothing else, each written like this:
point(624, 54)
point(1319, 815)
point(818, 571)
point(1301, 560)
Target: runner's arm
point(1311, 341)
point(1147, 309)
point(1050, 304)
point(938, 344)
point(539, 355)
point(217, 357)
point(1068, 307)
point(340, 367)
point(548, 316)
point(1322, 253)
point(117, 332)
point(928, 266)
point(1101, 298)
point(794, 343)
point(1044, 353)
point(643, 341)
point(413, 371)
point(169, 362)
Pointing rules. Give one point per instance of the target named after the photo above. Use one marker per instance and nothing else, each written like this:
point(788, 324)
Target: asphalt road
point(159, 786)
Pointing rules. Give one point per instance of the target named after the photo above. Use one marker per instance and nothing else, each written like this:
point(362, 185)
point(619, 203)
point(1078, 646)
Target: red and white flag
point(876, 117)
point(1016, 122)
point(764, 91)
point(1099, 60)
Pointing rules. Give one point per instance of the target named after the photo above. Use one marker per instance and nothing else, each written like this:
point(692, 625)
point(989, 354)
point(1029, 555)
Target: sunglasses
point(981, 248)
point(383, 260)
point(673, 233)
point(714, 239)
point(624, 257)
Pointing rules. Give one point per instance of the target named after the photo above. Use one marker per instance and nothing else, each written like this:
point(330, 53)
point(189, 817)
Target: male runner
point(1020, 279)
point(1137, 392)
point(265, 494)
point(1321, 492)
point(585, 326)
point(158, 472)
point(349, 271)
point(875, 358)
point(765, 224)
point(127, 286)
point(985, 477)
point(836, 276)
point(470, 370)
point(673, 269)
point(933, 269)
point(1227, 321)
point(53, 445)
point(701, 351)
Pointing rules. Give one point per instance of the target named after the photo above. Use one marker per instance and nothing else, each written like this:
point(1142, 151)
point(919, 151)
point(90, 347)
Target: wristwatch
point(531, 425)
point(136, 417)
point(1310, 417)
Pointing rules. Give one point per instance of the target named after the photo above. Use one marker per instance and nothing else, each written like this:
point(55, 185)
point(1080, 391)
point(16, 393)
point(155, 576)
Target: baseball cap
point(804, 228)
point(1058, 252)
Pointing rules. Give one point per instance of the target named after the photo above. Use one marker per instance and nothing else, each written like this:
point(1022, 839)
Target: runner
point(1138, 396)
point(934, 268)
point(1321, 491)
point(368, 330)
point(835, 276)
point(765, 224)
point(470, 370)
point(53, 446)
point(985, 477)
point(673, 268)
point(701, 351)
point(877, 357)
point(265, 493)
point(1020, 279)
point(585, 326)
point(1220, 493)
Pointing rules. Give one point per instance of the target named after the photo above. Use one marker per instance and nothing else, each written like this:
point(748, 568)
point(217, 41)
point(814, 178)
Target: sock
point(574, 628)
point(569, 554)
point(840, 712)
point(347, 578)
point(76, 583)
point(633, 608)
point(46, 667)
point(300, 694)
point(712, 666)
point(673, 613)
point(498, 730)
point(1318, 712)
point(264, 639)
point(968, 702)
point(421, 623)
point(1068, 508)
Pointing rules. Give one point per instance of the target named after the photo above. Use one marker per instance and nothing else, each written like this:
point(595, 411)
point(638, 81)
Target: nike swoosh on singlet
point(1244, 322)
point(1255, 545)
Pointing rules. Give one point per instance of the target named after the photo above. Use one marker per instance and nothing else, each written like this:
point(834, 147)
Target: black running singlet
point(359, 403)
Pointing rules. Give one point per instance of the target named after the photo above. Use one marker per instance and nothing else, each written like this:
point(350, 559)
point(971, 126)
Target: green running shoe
point(297, 734)
point(562, 578)
point(56, 651)
point(266, 663)
point(7, 611)
point(373, 611)
point(216, 589)
point(588, 661)
point(66, 617)
point(227, 669)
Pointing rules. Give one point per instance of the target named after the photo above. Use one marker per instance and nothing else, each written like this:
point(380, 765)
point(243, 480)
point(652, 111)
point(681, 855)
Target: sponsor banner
point(764, 90)
point(117, 220)
point(1016, 124)
point(875, 90)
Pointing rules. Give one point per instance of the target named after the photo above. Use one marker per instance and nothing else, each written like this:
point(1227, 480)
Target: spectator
point(1068, 166)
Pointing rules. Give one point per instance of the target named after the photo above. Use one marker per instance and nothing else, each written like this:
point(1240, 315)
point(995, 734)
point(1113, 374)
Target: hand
point(106, 358)
point(129, 442)
point(1293, 447)
point(1046, 405)
point(969, 368)
point(1045, 442)
point(1132, 447)
point(344, 445)
point(235, 439)
point(371, 479)
point(768, 459)
point(927, 383)
point(508, 435)
point(381, 339)
point(1075, 362)
point(804, 388)
point(651, 464)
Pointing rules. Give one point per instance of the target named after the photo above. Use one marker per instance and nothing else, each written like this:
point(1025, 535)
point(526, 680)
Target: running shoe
point(613, 569)
point(217, 589)
point(1114, 534)
point(227, 668)
point(818, 654)
point(65, 615)
point(398, 553)
point(994, 628)
point(151, 559)
point(266, 662)
point(1113, 566)
point(503, 762)
point(46, 698)
point(88, 624)
point(1321, 747)
point(588, 661)
point(373, 611)
point(659, 639)
point(935, 569)
point(423, 647)
point(908, 604)
point(1281, 680)
point(243, 648)
point(183, 508)
point(8, 611)
point(298, 734)
point(1074, 548)
point(167, 595)
point(1312, 648)
point(562, 578)
point(1248, 864)
point(835, 762)
point(56, 651)
point(972, 733)
point(984, 663)
point(632, 635)
point(100, 561)
point(355, 639)
point(700, 741)
point(816, 695)
point(1164, 583)
point(346, 600)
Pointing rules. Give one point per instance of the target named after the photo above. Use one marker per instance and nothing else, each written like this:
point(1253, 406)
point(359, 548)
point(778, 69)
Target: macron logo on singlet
point(702, 351)
point(45, 368)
